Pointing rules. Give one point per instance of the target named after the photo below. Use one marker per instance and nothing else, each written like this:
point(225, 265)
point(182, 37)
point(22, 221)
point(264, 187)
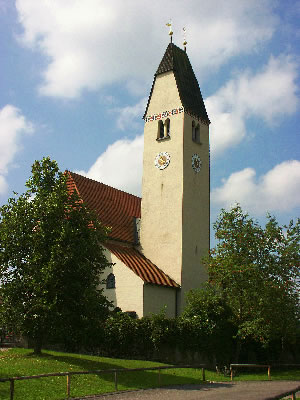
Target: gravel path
point(216, 391)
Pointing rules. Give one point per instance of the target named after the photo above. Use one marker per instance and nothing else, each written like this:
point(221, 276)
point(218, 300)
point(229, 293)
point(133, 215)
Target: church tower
point(175, 193)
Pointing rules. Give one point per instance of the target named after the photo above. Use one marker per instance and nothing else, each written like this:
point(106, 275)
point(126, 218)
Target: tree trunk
point(37, 346)
point(237, 350)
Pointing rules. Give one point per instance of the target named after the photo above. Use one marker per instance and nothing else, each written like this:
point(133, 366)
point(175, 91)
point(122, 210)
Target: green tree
point(256, 272)
point(51, 262)
point(206, 320)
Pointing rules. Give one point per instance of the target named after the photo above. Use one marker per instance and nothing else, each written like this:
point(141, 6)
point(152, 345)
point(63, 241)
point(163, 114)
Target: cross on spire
point(184, 38)
point(169, 24)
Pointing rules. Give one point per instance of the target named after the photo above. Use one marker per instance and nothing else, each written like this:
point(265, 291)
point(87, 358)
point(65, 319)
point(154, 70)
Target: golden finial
point(184, 38)
point(169, 24)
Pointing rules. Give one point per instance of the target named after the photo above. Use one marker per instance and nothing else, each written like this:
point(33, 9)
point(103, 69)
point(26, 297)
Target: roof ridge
point(177, 61)
point(73, 182)
point(169, 52)
point(104, 184)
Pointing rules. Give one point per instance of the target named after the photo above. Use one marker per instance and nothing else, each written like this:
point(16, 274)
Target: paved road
point(216, 391)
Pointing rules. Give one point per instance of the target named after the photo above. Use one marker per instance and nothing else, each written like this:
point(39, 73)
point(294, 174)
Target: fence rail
point(97, 372)
point(249, 366)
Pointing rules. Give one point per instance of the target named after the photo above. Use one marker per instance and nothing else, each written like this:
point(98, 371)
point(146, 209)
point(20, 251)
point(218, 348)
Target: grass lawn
point(21, 362)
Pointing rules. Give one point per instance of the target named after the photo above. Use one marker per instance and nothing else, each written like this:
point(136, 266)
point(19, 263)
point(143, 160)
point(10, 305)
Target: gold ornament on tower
point(184, 38)
point(169, 24)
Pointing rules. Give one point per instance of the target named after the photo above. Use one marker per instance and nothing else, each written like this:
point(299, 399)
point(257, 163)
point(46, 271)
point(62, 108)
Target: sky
point(75, 77)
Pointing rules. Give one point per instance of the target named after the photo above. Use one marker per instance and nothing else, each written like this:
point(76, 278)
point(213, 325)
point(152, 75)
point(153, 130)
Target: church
point(156, 242)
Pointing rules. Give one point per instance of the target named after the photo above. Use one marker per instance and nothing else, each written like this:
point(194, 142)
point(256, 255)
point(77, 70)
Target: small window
point(197, 134)
point(110, 281)
point(163, 129)
point(167, 127)
point(193, 131)
point(131, 314)
point(160, 130)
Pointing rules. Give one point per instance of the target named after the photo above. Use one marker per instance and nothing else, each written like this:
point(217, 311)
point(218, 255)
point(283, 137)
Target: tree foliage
point(51, 261)
point(207, 314)
point(256, 271)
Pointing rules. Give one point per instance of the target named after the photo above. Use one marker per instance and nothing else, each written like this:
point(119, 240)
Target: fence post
point(68, 385)
point(12, 389)
point(269, 372)
point(231, 373)
point(203, 374)
point(116, 381)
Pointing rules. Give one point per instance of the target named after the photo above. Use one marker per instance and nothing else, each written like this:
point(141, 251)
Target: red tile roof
point(140, 265)
point(115, 208)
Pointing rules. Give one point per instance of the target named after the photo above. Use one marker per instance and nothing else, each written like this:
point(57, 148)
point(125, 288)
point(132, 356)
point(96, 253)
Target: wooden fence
point(249, 366)
point(115, 372)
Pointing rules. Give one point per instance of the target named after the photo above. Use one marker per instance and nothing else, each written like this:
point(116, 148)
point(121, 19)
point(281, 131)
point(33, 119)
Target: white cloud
point(92, 43)
point(277, 190)
point(127, 116)
point(3, 185)
point(268, 94)
point(120, 166)
point(12, 126)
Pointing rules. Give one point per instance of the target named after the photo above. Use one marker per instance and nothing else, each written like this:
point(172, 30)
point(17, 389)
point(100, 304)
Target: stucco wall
point(195, 240)
point(128, 294)
point(158, 298)
point(161, 222)
point(175, 200)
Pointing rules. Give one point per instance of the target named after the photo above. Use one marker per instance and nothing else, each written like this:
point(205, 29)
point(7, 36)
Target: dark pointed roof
point(176, 60)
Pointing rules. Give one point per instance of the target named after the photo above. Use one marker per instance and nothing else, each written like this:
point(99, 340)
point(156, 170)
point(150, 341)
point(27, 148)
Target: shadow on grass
point(127, 379)
point(4, 390)
point(83, 385)
point(104, 382)
point(84, 364)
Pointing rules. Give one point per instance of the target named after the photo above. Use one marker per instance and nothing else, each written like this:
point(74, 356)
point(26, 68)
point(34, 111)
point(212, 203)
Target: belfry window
point(163, 129)
point(110, 281)
point(167, 127)
point(195, 132)
point(160, 130)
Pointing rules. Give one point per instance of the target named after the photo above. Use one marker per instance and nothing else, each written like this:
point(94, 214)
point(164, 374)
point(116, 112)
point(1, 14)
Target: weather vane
point(184, 38)
point(169, 24)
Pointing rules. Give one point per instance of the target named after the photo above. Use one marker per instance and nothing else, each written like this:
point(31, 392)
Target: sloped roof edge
point(176, 60)
point(141, 265)
point(115, 208)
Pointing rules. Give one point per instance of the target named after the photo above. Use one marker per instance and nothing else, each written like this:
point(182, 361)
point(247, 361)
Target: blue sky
point(75, 76)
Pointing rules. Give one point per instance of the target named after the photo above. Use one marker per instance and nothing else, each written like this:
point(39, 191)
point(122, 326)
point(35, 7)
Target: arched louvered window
point(167, 127)
point(110, 281)
point(197, 133)
point(193, 131)
point(160, 130)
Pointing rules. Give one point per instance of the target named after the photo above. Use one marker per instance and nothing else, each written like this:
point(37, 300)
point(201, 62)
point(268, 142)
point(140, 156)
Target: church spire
point(176, 60)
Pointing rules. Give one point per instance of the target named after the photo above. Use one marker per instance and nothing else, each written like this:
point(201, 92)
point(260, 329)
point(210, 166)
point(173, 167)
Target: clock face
point(162, 160)
point(196, 163)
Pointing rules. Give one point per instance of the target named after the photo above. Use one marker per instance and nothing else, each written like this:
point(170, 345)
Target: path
point(210, 391)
